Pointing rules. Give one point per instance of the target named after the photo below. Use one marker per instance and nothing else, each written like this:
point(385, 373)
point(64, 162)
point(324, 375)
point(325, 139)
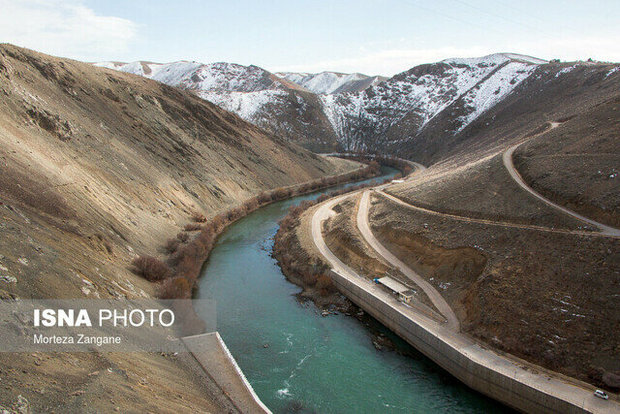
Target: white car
point(601, 394)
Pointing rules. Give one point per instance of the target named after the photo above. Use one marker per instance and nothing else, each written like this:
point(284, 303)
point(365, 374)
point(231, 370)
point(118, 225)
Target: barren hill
point(97, 166)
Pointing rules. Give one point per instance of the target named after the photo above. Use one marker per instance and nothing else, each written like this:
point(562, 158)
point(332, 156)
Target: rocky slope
point(97, 166)
point(254, 94)
point(422, 112)
point(409, 101)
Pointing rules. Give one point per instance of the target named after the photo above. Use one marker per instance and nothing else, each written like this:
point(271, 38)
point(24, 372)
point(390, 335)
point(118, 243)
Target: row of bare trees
point(293, 260)
point(178, 274)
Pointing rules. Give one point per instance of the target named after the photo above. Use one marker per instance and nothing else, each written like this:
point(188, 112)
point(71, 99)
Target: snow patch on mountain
point(248, 105)
point(611, 72)
point(565, 70)
point(329, 82)
point(493, 90)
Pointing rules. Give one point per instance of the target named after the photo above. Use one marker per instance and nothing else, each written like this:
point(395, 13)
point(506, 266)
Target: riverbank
point(298, 360)
point(177, 274)
point(524, 386)
point(308, 270)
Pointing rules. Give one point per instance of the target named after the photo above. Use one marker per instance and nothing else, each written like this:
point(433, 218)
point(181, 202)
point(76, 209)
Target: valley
point(100, 167)
point(505, 227)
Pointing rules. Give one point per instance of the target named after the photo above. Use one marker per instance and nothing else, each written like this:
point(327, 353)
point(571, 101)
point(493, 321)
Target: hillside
point(97, 167)
point(552, 92)
point(254, 94)
point(409, 101)
point(548, 291)
point(425, 113)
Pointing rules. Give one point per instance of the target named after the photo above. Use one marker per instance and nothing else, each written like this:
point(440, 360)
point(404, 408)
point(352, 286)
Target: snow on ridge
point(565, 70)
point(612, 71)
point(324, 82)
point(493, 90)
point(495, 59)
point(109, 65)
point(526, 58)
point(248, 105)
point(172, 73)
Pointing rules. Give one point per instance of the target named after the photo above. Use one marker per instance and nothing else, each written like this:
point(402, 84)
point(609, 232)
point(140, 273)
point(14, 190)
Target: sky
point(368, 36)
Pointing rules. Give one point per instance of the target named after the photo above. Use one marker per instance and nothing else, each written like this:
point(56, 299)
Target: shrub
point(308, 279)
point(193, 227)
point(280, 193)
point(151, 268)
point(324, 284)
point(183, 237)
point(175, 288)
point(263, 197)
point(172, 245)
point(199, 218)
point(218, 223)
point(251, 204)
point(373, 167)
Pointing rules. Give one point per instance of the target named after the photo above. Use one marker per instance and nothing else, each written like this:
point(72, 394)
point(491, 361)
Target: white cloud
point(386, 62)
point(66, 28)
point(599, 47)
point(392, 60)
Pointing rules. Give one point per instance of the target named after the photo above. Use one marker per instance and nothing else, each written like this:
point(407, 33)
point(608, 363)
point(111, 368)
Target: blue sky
point(373, 37)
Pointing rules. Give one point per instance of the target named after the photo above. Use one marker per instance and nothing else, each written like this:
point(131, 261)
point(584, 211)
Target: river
point(299, 361)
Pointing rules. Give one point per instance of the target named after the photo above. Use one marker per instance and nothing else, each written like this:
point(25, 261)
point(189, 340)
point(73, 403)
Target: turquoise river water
point(299, 361)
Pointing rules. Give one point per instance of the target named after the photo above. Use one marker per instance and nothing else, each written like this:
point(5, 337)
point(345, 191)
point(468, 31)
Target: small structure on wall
point(404, 293)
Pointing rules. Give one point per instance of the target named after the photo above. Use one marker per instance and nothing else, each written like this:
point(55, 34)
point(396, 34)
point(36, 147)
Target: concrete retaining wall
point(214, 357)
point(498, 378)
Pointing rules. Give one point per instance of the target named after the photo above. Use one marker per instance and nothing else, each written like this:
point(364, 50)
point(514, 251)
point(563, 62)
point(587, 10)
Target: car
point(601, 394)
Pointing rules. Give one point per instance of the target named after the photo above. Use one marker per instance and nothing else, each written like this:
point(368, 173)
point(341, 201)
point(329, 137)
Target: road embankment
point(496, 376)
point(507, 379)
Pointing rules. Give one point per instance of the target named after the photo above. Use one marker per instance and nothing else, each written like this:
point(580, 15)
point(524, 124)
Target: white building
point(404, 293)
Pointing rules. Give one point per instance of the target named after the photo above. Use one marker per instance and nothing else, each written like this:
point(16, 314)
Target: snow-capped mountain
point(331, 82)
point(254, 94)
point(465, 87)
point(325, 112)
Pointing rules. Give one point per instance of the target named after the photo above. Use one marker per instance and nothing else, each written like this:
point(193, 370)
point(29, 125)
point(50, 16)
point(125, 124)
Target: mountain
point(96, 167)
point(464, 87)
point(326, 83)
point(418, 112)
point(550, 92)
point(256, 95)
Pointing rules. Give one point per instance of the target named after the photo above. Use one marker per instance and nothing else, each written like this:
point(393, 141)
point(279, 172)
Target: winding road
point(570, 390)
point(487, 221)
point(435, 297)
point(509, 164)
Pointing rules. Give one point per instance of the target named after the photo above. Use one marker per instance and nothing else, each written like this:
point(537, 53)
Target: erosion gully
point(300, 361)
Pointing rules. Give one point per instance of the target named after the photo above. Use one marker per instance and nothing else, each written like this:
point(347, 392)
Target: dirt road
point(509, 164)
point(432, 293)
point(511, 369)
